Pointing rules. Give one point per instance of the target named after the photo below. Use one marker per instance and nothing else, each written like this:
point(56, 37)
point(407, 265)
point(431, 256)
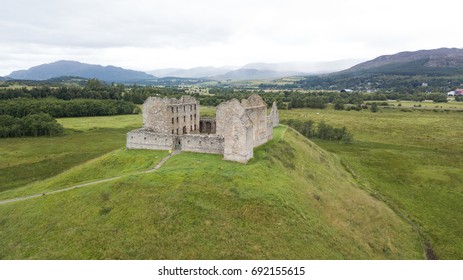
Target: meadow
point(198, 206)
point(27, 160)
point(412, 160)
point(394, 193)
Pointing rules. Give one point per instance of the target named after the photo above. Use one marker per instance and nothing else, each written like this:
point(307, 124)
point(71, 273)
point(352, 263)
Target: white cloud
point(143, 34)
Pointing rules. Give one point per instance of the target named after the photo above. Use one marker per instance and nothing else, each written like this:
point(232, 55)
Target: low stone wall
point(210, 144)
point(145, 139)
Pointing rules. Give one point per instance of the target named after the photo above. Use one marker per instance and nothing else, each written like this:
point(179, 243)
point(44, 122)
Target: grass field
point(27, 160)
point(427, 105)
point(198, 206)
point(411, 160)
point(312, 208)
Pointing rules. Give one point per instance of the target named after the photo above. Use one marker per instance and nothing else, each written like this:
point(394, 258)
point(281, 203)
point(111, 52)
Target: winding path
point(90, 183)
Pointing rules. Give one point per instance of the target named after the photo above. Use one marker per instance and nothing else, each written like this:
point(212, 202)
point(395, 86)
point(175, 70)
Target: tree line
point(57, 108)
point(322, 130)
point(93, 89)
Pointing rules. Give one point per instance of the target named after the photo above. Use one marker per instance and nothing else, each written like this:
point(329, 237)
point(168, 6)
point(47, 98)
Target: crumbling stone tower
point(171, 116)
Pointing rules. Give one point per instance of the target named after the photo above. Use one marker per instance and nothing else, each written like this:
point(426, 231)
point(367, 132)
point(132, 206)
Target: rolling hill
point(438, 62)
point(440, 70)
point(77, 69)
point(292, 201)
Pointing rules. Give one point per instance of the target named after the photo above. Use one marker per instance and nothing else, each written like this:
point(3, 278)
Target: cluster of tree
point(31, 125)
point(57, 108)
point(321, 130)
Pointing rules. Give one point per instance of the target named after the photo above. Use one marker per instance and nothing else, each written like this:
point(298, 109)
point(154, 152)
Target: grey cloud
point(89, 24)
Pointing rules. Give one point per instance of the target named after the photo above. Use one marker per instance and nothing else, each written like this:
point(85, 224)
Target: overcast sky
point(148, 35)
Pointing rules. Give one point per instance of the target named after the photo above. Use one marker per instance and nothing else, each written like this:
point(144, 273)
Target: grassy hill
point(409, 158)
point(292, 201)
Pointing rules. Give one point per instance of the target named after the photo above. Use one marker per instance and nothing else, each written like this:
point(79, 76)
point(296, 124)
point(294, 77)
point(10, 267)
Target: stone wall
point(145, 139)
point(236, 127)
point(256, 109)
point(210, 144)
point(274, 117)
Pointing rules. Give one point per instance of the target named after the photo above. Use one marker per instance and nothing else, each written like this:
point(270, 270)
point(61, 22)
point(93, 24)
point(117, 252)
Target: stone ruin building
point(175, 124)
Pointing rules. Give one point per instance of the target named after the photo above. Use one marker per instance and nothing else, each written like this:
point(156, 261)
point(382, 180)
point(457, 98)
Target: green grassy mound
point(292, 201)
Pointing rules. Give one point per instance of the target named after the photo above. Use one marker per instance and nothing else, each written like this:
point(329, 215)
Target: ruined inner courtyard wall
point(145, 139)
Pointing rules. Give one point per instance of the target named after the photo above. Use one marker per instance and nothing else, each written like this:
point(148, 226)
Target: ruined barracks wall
point(175, 124)
point(146, 139)
point(209, 144)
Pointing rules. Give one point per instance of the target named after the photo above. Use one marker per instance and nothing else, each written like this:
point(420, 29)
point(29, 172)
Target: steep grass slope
point(292, 201)
point(410, 159)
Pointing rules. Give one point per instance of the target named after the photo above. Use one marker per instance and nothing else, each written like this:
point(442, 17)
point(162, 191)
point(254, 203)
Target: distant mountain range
point(254, 71)
point(436, 62)
point(437, 69)
point(77, 69)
